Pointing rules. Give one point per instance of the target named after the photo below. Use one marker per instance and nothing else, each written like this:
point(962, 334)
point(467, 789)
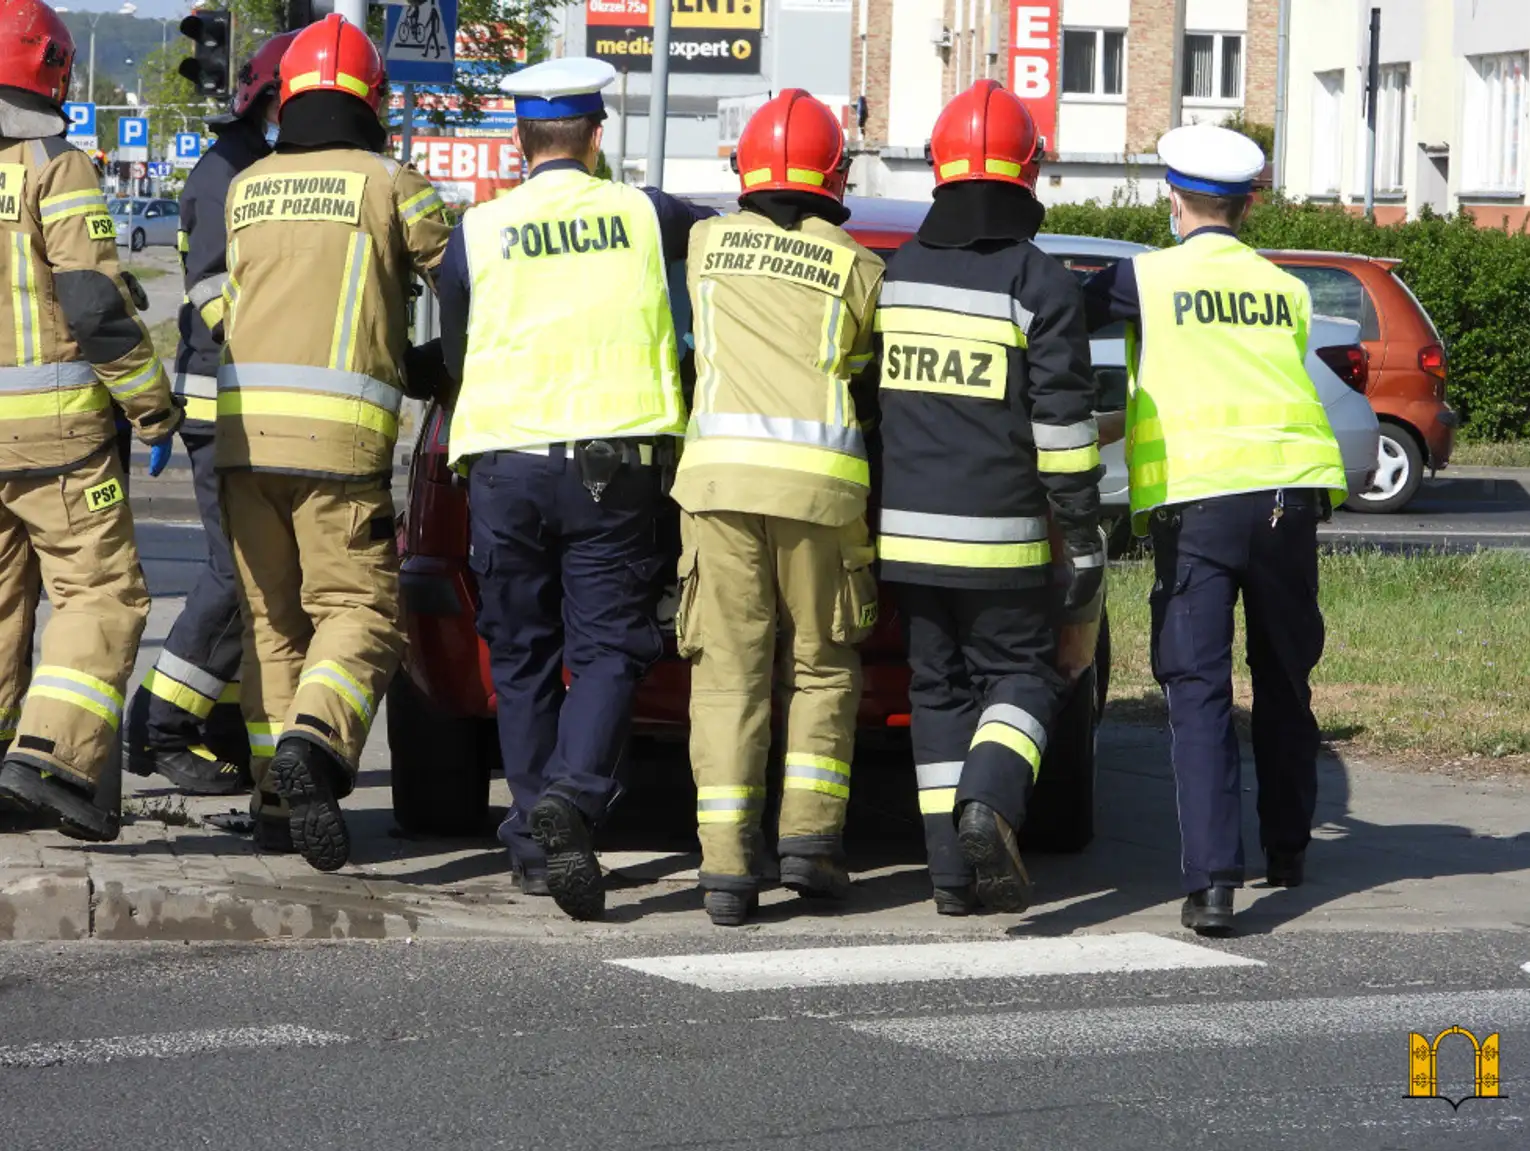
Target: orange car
point(1408, 366)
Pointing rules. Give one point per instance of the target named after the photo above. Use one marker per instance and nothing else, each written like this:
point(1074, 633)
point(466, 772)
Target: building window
point(1391, 127)
point(1213, 66)
point(1327, 133)
point(1494, 131)
point(1094, 62)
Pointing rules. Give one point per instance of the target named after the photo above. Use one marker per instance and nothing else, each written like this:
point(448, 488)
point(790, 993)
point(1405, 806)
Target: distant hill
point(118, 40)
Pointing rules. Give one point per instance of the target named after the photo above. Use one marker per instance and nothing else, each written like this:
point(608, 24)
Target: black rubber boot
point(531, 882)
point(1209, 911)
point(194, 770)
point(989, 847)
point(36, 788)
point(308, 778)
point(272, 835)
point(573, 872)
point(731, 908)
point(815, 876)
point(956, 900)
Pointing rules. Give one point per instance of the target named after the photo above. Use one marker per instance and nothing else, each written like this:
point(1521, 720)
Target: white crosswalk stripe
point(933, 962)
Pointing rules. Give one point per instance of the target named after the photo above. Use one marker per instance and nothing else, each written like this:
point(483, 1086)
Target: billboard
point(467, 171)
point(716, 37)
point(1035, 40)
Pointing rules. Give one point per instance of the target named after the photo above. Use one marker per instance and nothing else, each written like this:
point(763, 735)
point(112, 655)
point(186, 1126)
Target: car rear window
point(1428, 319)
point(1339, 293)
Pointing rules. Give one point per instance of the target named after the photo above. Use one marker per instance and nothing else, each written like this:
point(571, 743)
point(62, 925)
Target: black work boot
point(1285, 868)
point(573, 872)
point(815, 876)
point(273, 835)
point(1208, 911)
point(531, 881)
point(731, 908)
point(989, 847)
point(961, 900)
point(194, 770)
point(309, 779)
point(37, 788)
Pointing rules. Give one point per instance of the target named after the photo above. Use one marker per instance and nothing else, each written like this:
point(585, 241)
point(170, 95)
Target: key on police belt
point(599, 461)
point(1280, 507)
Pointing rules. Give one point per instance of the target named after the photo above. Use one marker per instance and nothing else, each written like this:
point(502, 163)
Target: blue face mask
point(1174, 228)
point(272, 131)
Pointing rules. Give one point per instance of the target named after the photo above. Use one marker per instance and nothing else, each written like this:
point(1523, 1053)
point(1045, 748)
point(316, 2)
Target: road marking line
point(1127, 1030)
point(168, 1045)
point(1339, 530)
point(933, 962)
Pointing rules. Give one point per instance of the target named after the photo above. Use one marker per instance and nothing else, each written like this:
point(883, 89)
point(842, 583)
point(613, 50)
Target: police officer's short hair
point(1227, 209)
point(570, 137)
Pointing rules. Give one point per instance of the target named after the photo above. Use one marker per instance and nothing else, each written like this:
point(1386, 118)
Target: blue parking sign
point(82, 119)
point(188, 145)
point(133, 132)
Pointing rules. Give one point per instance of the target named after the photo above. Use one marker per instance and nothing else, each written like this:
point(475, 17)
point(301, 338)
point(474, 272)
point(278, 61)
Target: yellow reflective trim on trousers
point(937, 801)
point(1069, 459)
point(1014, 739)
point(774, 454)
point(64, 695)
point(182, 241)
point(64, 402)
point(81, 678)
point(263, 737)
point(177, 694)
point(821, 773)
point(327, 673)
point(213, 311)
point(797, 783)
point(307, 406)
point(66, 685)
point(904, 321)
point(204, 411)
point(950, 553)
point(728, 804)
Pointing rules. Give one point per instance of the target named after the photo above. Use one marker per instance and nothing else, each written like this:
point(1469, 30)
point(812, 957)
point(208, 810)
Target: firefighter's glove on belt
point(1086, 575)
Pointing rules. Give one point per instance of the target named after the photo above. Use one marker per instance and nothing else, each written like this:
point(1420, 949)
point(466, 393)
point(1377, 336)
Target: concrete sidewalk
point(1395, 852)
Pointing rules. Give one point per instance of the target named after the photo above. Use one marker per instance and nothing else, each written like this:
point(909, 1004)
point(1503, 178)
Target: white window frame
point(1484, 116)
point(1327, 133)
point(1216, 99)
point(1393, 121)
point(1096, 94)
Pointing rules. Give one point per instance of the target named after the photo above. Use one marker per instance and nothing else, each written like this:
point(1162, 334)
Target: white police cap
point(1214, 161)
point(559, 89)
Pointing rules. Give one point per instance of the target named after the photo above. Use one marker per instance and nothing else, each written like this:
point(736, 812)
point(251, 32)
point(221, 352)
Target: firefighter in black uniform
point(189, 702)
point(987, 425)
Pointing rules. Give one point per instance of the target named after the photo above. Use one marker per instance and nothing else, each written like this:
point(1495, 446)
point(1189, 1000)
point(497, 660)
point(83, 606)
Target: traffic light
point(209, 70)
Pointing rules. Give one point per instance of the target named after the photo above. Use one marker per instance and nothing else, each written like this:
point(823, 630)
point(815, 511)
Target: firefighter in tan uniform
point(773, 482)
point(71, 345)
point(323, 237)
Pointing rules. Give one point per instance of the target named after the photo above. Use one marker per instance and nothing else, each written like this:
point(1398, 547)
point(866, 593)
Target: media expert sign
point(467, 171)
point(715, 37)
point(1033, 64)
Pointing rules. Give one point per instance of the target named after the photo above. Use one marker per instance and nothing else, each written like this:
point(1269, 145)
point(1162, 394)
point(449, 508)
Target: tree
point(1261, 134)
point(497, 36)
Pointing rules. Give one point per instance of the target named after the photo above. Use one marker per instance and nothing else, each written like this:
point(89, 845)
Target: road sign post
point(133, 138)
point(420, 38)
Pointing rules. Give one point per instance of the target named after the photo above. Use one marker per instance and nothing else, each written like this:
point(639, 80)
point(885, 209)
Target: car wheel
point(1061, 816)
point(1399, 472)
point(139, 239)
point(440, 765)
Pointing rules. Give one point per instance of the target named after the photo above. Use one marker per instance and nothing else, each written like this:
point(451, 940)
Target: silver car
point(142, 221)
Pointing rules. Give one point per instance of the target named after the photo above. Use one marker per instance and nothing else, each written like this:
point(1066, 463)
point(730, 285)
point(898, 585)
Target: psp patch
point(100, 226)
point(312, 197)
point(104, 495)
point(13, 178)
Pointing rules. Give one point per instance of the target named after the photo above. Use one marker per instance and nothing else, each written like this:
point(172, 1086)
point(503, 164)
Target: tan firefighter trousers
point(763, 595)
point(74, 534)
point(317, 568)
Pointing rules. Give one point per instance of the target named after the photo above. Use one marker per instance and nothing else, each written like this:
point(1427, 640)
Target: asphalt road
point(1455, 514)
point(1262, 1042)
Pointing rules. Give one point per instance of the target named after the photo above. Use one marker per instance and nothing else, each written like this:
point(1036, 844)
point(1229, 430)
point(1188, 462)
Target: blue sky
point(158, 8)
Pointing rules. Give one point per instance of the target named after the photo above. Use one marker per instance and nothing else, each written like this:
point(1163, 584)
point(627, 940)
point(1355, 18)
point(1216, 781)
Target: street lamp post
point(125, 10)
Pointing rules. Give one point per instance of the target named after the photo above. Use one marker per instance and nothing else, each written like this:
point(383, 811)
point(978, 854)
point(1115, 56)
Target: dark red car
point(1408, 365)
point(441, 730)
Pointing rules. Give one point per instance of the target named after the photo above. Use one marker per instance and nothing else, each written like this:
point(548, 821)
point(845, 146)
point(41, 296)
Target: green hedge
point(1474, 282)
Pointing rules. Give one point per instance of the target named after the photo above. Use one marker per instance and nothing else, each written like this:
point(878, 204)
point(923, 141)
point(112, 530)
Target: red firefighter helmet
point(36, 49)
point(793, 143)
point(333, 55)
point(261, 73)
point(985, 134)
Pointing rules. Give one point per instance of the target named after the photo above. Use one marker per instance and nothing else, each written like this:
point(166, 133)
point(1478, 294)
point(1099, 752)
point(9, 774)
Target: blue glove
point(159, 455)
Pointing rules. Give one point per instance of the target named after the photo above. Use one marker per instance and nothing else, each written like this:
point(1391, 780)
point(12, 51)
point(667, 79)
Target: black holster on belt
point(599, 461)
point(666, 458)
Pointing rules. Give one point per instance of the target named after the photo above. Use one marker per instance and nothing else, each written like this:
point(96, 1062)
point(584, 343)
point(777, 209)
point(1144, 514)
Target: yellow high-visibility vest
point(1221, 401)
point(570, 334)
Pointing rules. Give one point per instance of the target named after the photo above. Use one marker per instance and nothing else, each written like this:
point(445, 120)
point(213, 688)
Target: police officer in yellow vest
point(555, 316)
point(1232, 464)
point(324, 237)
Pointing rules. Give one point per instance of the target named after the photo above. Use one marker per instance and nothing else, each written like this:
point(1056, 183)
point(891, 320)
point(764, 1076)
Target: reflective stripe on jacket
point(1221, 400)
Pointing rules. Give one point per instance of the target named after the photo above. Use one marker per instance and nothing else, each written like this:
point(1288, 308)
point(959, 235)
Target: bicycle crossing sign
point(420, 38)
